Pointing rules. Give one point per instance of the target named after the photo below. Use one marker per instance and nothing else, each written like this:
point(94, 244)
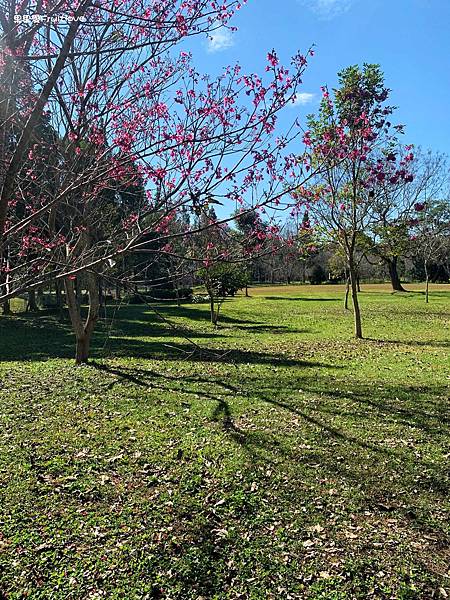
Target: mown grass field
point(282, 460)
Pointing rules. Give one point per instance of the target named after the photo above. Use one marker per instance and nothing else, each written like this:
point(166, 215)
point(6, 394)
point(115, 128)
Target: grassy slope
point(300, 464)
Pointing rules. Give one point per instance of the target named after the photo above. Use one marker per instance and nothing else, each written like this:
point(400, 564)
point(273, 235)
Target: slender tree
point(222, 280)
point(347, 137)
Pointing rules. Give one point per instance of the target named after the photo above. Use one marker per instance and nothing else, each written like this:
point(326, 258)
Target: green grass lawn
point(282, 460)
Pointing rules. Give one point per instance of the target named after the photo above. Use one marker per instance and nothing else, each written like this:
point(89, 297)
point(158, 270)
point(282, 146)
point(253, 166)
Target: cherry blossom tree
point(50, 55)
point(349, 138)
point(130, 111)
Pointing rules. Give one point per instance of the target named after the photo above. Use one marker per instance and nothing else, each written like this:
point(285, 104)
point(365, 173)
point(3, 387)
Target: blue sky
point(410, 39)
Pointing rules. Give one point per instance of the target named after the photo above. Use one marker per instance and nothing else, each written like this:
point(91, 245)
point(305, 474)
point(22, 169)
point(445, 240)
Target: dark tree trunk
point(40, 296)
point(83, 330)
point(7, 307)
point(356, 310)
point(393, 274)
point(246, 291)
point(102, 292)
point(78, 290)
point(358, 287)
point(32, 304)
point(82, 350)
point(347, 290)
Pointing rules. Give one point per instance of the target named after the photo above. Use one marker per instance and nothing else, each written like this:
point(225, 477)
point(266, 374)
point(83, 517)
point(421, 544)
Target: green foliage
point(247, 222)
point(359, 91)
point(224, 279)
point(393, 239)
point(317, 275)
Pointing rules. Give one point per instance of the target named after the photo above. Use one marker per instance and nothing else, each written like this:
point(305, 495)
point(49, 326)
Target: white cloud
point(327, 9)
point(220, 39)
point(302, 98)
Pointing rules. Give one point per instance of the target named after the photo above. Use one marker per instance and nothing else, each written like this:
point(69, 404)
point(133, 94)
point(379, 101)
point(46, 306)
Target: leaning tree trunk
point(356, 310)
point(83, 329)
point(393, 274)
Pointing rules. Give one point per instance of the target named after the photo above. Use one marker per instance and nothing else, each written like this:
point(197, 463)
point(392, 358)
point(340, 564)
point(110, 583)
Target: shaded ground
point(283, 461)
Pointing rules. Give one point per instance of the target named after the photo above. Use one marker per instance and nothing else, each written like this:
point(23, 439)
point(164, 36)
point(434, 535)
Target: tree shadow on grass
point(397, 466)
point(303, 299)
point(421, 409)
point(264, 328)
point(197, 312)
point(157, 329)
point(392, 405)
point(178, 351)
point(152, 325)
point(389, 472)
point(210, 389)
point(389, 487)
point(36, 337)
point(405, 405)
